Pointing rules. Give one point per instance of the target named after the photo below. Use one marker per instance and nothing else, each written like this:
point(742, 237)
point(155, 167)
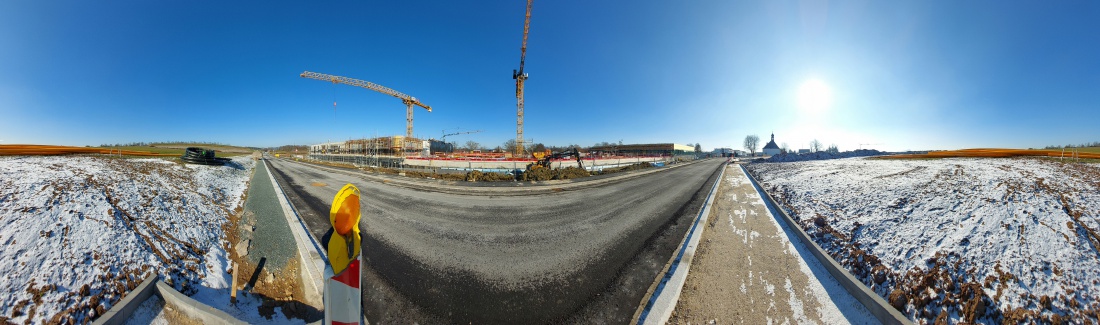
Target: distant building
point(771, 149)
point(644, 150)
point(722, 152)
point(802, 151)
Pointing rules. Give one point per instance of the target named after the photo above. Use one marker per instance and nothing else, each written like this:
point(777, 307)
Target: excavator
point(544, 161)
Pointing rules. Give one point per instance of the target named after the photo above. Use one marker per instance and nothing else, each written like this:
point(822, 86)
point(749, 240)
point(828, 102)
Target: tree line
point(1083, 145)
point(752, 143)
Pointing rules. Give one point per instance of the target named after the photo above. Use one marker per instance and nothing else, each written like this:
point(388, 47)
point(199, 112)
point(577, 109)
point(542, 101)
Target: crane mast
point(520, 77)
point(409, 101)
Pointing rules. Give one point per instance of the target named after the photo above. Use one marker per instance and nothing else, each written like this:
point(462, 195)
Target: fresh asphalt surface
point(527, 259)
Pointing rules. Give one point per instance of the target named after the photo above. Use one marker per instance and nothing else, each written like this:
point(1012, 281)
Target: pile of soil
point(477, 176)
point(627, 168)
point(545, 174)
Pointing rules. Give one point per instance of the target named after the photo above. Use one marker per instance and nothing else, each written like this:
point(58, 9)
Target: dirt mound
point(478, 176)
point(627, 168)
point(568, 173)
point(546, 174)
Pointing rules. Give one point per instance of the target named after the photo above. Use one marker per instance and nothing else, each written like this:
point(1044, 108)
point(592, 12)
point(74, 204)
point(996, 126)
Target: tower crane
point(408, 100)
point(521, 76)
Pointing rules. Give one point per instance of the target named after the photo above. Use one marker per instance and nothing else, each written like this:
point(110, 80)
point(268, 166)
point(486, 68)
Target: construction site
point(408, 151)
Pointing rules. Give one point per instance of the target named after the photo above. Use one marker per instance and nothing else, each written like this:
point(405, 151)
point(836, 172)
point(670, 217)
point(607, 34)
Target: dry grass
point(45, 150)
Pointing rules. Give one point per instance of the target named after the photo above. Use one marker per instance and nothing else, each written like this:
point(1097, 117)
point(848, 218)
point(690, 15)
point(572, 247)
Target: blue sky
point(903, 75)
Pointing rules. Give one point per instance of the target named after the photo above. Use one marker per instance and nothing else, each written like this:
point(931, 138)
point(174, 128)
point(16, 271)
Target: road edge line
point(311, 257)
point(660, 304)
point(874, 303)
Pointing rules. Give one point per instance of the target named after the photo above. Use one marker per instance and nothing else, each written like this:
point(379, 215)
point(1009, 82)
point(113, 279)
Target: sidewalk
point(267, 252)
point(262, 210)
point(747, 270)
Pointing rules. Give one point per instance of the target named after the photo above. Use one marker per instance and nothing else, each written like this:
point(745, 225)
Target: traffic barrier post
point(342, 297)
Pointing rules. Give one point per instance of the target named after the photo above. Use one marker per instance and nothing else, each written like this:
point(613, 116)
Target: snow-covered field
point(80, 231)
point(986, 240)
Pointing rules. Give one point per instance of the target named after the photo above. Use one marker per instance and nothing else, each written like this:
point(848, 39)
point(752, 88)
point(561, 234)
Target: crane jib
point(365, 84)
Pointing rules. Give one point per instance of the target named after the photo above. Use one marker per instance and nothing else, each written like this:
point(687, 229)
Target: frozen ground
point(80, 231)
point(822, 155)
point(986, 240)
point(748, 269)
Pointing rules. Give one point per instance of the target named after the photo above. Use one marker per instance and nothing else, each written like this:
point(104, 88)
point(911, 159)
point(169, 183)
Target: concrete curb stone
point(120, 312)
point(870, 300)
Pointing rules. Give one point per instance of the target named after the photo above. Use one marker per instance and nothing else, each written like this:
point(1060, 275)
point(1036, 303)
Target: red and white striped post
point(343, 297)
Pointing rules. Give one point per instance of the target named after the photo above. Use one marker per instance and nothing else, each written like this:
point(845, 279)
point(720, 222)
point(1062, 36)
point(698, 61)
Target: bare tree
point(751, 143)
point(536, 147)
point(473, 145)
point(784, 148)
point(698, 148)
point(509, 146)
point(815, 146)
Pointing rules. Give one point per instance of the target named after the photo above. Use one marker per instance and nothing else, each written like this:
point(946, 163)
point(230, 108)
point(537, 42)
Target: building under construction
point(396, 146)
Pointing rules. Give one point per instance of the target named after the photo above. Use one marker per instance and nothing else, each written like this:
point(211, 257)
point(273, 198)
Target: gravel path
point(527, 259)
point(747, 270)
point(270, 239)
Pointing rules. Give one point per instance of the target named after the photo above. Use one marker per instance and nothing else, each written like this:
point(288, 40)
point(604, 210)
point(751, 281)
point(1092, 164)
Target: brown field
point(1090, 153)
point(47, 150)
point(153, 150)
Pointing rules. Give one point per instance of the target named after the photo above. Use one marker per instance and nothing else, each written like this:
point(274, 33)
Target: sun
point(814, 96)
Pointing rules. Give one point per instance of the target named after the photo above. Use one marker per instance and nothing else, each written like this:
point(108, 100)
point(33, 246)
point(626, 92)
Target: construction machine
point(545, 161)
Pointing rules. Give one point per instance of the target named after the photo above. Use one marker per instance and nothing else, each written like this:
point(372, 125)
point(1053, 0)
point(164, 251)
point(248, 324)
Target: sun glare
point(814, 96)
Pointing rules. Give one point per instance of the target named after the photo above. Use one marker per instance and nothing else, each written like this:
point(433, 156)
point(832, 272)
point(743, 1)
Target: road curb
point(885, 313)
point(311, 257)
point(121, 312)
point(193, 308)
point(660, 303)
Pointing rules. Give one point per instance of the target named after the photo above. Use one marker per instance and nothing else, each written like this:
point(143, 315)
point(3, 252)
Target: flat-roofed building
point(644, 150)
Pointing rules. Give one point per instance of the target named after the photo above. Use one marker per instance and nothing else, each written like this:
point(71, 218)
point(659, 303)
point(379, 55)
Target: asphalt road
point(577, 255)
